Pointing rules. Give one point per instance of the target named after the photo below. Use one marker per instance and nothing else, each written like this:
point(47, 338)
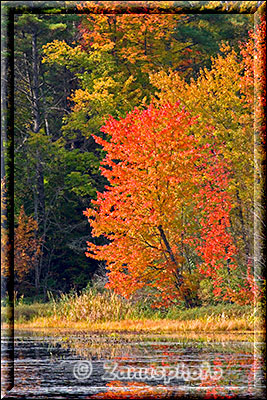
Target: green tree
point(52, 173)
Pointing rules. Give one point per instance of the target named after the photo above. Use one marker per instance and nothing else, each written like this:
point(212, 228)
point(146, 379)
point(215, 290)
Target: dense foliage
point(145, 120)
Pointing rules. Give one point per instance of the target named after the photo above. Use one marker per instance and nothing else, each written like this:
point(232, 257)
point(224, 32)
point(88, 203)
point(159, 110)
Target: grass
point(107, 312)
point(27, 312)
point(94, 306)
point(148, 326)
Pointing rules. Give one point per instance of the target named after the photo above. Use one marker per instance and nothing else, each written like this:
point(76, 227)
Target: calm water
point(84, 365)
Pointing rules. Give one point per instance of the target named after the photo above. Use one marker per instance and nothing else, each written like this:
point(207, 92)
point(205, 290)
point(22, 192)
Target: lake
point(82, 365)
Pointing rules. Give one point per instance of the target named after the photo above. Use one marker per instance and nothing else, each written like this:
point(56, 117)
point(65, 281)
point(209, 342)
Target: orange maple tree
point(150, 212)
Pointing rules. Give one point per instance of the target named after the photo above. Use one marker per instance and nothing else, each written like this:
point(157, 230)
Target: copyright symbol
point(82, 370)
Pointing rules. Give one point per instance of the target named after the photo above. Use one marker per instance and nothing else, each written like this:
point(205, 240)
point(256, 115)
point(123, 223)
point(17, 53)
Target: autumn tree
point(27, 250)
point(155, 168)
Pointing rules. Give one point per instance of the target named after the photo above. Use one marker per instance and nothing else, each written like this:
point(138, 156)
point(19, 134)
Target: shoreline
point(148, 326)
point(212, 320)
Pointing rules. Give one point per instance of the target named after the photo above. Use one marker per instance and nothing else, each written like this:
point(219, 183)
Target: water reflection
point(133, 366)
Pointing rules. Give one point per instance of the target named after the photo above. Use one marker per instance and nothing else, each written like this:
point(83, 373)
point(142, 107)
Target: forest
point(138, 152)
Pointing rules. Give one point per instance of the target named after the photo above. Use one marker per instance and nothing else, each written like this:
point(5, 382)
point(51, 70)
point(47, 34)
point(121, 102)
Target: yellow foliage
point(59, 51)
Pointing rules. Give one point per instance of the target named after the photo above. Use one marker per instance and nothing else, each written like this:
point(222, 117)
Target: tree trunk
point(179, 278)
point(35, 85)
point(39, 177)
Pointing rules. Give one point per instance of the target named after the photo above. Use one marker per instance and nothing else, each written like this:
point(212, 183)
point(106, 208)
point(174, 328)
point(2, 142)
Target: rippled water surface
point(84, 365)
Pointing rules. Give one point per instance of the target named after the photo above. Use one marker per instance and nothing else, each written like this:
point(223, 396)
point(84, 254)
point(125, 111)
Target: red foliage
point(165, 191)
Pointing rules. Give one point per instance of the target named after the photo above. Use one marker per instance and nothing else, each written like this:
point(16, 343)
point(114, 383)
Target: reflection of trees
point(109, 346)
point(235, 358)
point(232, 367)
point(237, 363)
point(256, 374)
point(212, 385)
point(136, 390)
point(101, 348)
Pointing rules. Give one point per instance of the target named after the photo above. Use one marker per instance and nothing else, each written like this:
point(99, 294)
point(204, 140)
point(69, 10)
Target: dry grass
point(169, 326)
point(148, 325)
point(91, 306)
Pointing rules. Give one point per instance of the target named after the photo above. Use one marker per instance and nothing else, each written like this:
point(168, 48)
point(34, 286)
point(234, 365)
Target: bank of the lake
point(148, 326)
point(221, 318)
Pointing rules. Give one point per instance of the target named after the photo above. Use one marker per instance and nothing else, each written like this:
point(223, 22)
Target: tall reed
point(93, 306)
